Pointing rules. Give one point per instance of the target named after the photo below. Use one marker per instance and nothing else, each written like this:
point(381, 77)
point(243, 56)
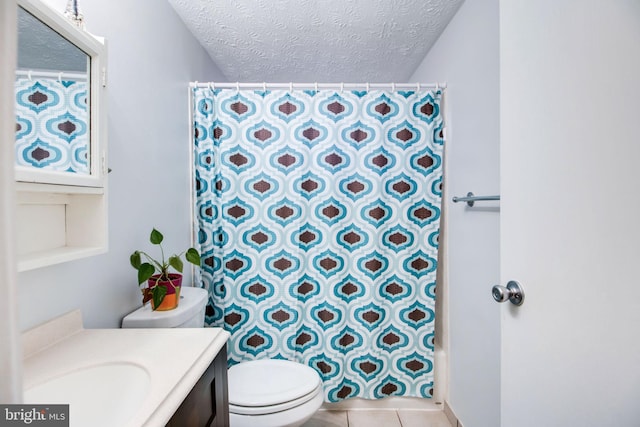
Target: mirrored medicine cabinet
point(60, 143)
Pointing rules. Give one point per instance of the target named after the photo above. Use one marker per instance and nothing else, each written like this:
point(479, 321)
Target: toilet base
point(293, 417)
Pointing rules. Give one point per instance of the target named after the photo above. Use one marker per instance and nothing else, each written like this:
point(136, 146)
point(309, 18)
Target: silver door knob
point(512, 292)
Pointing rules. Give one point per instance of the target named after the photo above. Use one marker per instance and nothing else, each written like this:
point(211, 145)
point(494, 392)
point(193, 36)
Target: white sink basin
point(123, 385)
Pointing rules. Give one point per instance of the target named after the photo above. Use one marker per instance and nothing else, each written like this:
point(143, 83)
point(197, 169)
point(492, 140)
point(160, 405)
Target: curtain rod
point(316, 86)
point(50, 74)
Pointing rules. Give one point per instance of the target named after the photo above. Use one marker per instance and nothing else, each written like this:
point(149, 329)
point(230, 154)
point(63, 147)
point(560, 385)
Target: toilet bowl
point(273, 393)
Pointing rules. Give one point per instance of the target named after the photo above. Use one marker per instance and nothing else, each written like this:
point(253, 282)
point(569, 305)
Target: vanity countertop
point(173, 358)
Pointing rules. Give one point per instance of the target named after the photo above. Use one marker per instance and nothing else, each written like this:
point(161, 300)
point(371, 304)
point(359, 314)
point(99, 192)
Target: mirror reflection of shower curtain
point(52, 124)
point(318, 219)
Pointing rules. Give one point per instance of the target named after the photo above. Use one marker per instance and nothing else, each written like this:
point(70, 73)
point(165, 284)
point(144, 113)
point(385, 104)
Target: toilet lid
point(270, 382)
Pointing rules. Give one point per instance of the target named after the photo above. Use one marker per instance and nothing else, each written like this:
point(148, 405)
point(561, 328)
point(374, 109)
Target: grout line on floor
point(398, 417)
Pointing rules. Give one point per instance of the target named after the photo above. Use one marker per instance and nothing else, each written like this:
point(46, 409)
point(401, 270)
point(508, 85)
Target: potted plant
point(163, 287)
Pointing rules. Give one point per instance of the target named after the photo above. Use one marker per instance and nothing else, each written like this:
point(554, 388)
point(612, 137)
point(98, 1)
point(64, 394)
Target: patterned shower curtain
point(52, 129)
point(318, 219)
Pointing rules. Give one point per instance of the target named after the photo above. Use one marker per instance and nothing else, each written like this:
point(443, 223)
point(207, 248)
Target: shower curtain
point(52, 129)
point(317, 215)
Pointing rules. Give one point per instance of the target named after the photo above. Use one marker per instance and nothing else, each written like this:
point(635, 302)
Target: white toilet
point(273, 393)
point(188, 314)
point(262, 393)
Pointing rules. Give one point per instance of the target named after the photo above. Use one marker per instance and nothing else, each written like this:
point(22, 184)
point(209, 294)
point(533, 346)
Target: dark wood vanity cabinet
point(207, 404)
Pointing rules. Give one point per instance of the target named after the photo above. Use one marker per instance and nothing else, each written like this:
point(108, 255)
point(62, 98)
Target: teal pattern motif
point(51, 125)
point(318, 218)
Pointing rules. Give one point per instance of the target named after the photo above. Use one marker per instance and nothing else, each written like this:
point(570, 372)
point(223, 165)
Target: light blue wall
point(466, 57)
point(152, 57)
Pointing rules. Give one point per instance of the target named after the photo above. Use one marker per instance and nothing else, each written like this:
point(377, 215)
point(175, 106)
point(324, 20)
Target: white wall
point(466, 57)
point(152, 57)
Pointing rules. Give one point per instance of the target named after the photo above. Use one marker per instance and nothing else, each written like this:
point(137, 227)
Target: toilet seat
point(272, 409)
point(269, 386)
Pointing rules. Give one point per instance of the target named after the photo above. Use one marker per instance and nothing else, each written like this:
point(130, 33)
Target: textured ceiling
point(317, 40)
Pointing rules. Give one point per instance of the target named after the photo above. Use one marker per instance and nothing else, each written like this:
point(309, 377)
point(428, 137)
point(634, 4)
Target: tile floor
point(378, 418)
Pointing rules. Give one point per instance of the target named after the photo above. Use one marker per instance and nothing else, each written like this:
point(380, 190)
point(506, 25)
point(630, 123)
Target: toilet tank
point(188, 314)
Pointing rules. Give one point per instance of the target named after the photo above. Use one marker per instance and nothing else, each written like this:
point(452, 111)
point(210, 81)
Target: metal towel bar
point(470, 199)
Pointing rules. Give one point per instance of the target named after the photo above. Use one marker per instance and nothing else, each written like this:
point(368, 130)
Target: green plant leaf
point(145, 271)
point(176, 262)
point(135, 260)
point(158, 293)
point(156, 237)
point(193, 256)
